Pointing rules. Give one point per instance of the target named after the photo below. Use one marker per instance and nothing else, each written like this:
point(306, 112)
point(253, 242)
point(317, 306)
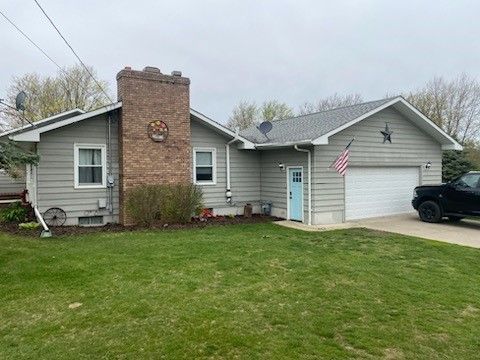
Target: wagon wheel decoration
point(55, 217)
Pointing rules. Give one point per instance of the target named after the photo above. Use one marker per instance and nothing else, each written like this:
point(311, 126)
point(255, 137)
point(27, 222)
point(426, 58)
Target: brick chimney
point(151, 100)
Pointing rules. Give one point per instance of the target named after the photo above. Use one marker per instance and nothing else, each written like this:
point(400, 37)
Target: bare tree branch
point(50, 95)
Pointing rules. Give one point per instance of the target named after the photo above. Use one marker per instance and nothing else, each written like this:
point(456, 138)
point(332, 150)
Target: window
point(90, 220)
point(204, 163)
point(90, 166)
point(469, 181)
point(297, 176)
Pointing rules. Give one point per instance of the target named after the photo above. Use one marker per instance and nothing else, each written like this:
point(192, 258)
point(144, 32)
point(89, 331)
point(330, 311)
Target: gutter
point(309, 155)
point(228, 192)
point(286, 144)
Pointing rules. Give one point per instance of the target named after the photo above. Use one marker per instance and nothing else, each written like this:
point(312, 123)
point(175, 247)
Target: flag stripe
point(341, 163)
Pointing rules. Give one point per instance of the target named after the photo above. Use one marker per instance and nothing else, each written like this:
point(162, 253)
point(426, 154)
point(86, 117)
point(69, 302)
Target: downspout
point(228, 191)
point(110, 176)
point(309, 154)
point(46, 231)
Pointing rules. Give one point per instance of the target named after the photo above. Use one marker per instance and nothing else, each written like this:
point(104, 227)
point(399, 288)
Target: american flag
point(341, 163)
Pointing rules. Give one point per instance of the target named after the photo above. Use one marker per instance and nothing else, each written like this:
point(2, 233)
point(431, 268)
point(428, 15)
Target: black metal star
point(387, 134)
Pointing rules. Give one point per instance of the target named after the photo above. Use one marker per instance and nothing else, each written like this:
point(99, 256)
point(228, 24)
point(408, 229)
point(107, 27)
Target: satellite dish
point(20, 101)
point(265, 127)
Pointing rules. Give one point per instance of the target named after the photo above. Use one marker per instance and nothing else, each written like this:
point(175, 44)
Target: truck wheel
point(455, 218)
point(430, 212)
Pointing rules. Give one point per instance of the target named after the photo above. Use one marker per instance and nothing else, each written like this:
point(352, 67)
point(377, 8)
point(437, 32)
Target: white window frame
point(76, 152)
point(214, 165)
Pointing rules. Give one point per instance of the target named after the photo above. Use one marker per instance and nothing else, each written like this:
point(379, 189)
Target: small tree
point(274, 110)
point(12, 158)
point(455, 163)
point(243, 115)
point(246, 113)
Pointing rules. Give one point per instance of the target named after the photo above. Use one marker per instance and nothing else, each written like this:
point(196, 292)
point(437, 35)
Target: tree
point(13, 157)
point(274, 110)
point(49, 95)
point(247, 113)
point(329, 103)
point(472, 150)
point(455, 163)
point(243, 115)
point(453, 105)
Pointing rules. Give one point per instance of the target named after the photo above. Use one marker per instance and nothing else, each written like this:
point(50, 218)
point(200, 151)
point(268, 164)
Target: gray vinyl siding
point(274, 180)
point(410, 147)
point(244, 170)
point(10, 185)
point(55, 173)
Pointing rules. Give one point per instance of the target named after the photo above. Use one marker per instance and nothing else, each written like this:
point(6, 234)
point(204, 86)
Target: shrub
point(15, 212)
point(181, 202)
point(29, 225)
point(147, 204)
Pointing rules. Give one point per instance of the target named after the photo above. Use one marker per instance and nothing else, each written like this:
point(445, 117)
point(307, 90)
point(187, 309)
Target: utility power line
point(62, 70)
point(73, 51)
point(31, 41)
point(2, 102)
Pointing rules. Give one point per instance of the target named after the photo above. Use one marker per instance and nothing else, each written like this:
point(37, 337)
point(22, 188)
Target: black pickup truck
point(455, 200)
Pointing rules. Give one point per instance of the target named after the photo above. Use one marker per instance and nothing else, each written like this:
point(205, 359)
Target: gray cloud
point(256, 50)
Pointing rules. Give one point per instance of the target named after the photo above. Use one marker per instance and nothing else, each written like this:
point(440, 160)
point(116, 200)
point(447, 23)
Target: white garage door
point(381, 191)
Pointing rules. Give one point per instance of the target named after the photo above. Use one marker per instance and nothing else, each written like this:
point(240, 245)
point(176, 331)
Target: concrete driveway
point(466, 232)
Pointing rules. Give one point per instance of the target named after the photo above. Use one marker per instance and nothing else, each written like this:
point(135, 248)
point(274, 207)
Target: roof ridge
point(338, 108)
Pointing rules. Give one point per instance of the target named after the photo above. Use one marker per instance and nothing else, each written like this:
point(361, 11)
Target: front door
point(295, 193)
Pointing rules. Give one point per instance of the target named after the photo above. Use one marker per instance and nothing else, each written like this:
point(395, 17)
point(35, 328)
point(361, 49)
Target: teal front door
point(295, 193)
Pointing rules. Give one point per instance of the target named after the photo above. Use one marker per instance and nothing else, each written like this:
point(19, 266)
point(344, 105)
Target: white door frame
point(288, 190)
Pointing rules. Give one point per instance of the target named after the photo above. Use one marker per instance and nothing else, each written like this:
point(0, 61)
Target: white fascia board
point(284, 144)
point(8, 132)
point(247, 144)
point(452, 147)
point(33, 135)
point(449, 144)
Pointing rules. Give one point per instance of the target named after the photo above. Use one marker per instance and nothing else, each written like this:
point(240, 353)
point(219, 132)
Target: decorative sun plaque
point(157, 131)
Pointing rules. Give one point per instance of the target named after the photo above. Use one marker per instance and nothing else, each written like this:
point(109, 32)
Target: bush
point(176, 204)
point(15, 212)
point(29, 225)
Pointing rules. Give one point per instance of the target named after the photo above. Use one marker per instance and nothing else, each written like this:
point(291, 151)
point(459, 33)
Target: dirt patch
point(79, 230)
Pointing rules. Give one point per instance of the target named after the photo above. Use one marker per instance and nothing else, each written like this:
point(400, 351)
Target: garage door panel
point(371, 192)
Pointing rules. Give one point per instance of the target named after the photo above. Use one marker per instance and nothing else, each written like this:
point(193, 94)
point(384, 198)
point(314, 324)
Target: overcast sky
point(293, 51)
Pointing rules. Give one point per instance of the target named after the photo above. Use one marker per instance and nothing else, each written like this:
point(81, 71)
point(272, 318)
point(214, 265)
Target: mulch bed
point(79, 230)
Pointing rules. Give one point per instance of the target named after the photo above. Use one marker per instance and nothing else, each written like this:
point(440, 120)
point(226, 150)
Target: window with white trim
point(90, 166)
point(204, 166)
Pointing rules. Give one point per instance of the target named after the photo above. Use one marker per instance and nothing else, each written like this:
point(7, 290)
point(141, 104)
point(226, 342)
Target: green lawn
point(246, 291)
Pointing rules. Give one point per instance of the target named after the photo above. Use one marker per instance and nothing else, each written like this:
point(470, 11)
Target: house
point(90, 160)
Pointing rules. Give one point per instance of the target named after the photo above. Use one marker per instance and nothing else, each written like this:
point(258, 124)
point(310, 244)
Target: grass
point(247, 291)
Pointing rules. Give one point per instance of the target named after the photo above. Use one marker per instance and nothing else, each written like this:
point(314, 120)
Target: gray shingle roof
point(312, 126)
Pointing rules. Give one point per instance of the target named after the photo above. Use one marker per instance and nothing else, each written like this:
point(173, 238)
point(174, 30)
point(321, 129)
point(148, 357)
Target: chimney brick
point(149, 96)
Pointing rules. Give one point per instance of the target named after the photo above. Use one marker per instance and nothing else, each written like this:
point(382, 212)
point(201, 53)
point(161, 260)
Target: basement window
point(90, 166)
point(204, 166)
point(90, 220)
